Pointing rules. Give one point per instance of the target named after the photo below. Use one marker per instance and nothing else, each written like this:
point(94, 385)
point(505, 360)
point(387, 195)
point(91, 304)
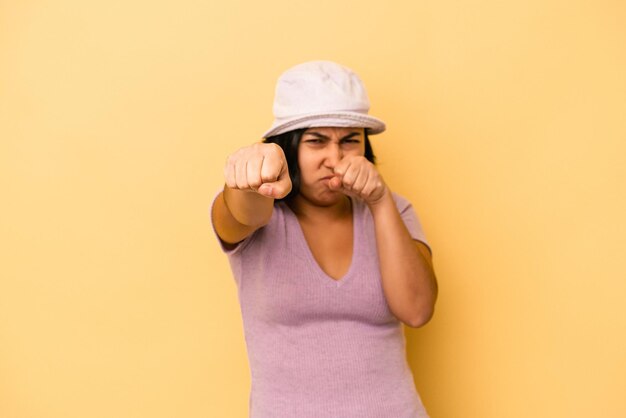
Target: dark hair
point(289, 142)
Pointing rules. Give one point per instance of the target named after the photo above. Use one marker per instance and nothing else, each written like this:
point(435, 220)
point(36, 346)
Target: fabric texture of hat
point(321, 93)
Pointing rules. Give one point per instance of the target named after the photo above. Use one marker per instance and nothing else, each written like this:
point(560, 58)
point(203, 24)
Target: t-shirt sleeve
point(228, 249)
point(411, 220)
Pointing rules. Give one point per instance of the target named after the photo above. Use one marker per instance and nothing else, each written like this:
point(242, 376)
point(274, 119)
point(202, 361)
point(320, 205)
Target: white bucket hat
point(321, 93)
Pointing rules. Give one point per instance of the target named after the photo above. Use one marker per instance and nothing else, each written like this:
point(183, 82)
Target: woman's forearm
point(248, 207)
point(408, 279)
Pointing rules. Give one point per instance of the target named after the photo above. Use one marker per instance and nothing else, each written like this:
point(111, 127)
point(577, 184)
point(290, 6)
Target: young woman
point(328, 261)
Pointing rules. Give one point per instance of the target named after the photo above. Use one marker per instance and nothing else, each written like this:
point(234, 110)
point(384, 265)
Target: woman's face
point(320, 150)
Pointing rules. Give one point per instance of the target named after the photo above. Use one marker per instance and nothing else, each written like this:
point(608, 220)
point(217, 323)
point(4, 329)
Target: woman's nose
point(334, 155)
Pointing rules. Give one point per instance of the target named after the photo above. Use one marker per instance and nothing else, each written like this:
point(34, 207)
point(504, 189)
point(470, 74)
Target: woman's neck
point(309, 211)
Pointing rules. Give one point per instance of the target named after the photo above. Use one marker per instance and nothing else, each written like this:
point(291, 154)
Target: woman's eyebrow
point(317, 134)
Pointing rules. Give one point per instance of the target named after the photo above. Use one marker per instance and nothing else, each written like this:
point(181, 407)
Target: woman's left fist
point(356, 176)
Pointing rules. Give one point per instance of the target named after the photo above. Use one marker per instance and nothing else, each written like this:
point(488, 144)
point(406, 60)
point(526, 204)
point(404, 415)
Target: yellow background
point(506, 129)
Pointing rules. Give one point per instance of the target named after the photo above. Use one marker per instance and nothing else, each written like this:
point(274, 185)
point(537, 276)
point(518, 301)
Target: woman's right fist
point(261, 168)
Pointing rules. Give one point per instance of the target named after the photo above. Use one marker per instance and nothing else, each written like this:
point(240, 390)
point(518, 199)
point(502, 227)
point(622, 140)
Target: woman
point(328, 261)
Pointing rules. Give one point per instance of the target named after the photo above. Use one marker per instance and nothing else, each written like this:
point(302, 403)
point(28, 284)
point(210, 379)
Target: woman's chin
point(332, 197)
point(325, 197)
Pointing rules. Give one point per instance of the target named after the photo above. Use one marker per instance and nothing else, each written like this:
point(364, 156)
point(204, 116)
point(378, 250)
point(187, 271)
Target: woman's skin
point(332, 167)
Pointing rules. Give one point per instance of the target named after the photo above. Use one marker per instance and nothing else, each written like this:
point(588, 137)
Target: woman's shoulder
point(402, 202)
point(280, 208)
point(272, 232)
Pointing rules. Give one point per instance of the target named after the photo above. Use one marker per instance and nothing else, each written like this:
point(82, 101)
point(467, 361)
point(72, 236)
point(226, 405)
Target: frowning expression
point(319, 152)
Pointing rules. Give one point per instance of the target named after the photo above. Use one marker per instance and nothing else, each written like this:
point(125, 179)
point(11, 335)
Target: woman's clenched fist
point(356, 176)
point(260, 168)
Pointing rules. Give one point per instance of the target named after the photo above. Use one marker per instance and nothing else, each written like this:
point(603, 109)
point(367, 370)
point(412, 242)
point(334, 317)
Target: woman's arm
point(255, 176)
point(409, 281)
point(408, 278)
point(251, 211)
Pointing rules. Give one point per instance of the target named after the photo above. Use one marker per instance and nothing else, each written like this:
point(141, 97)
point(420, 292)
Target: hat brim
point(335, 119)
